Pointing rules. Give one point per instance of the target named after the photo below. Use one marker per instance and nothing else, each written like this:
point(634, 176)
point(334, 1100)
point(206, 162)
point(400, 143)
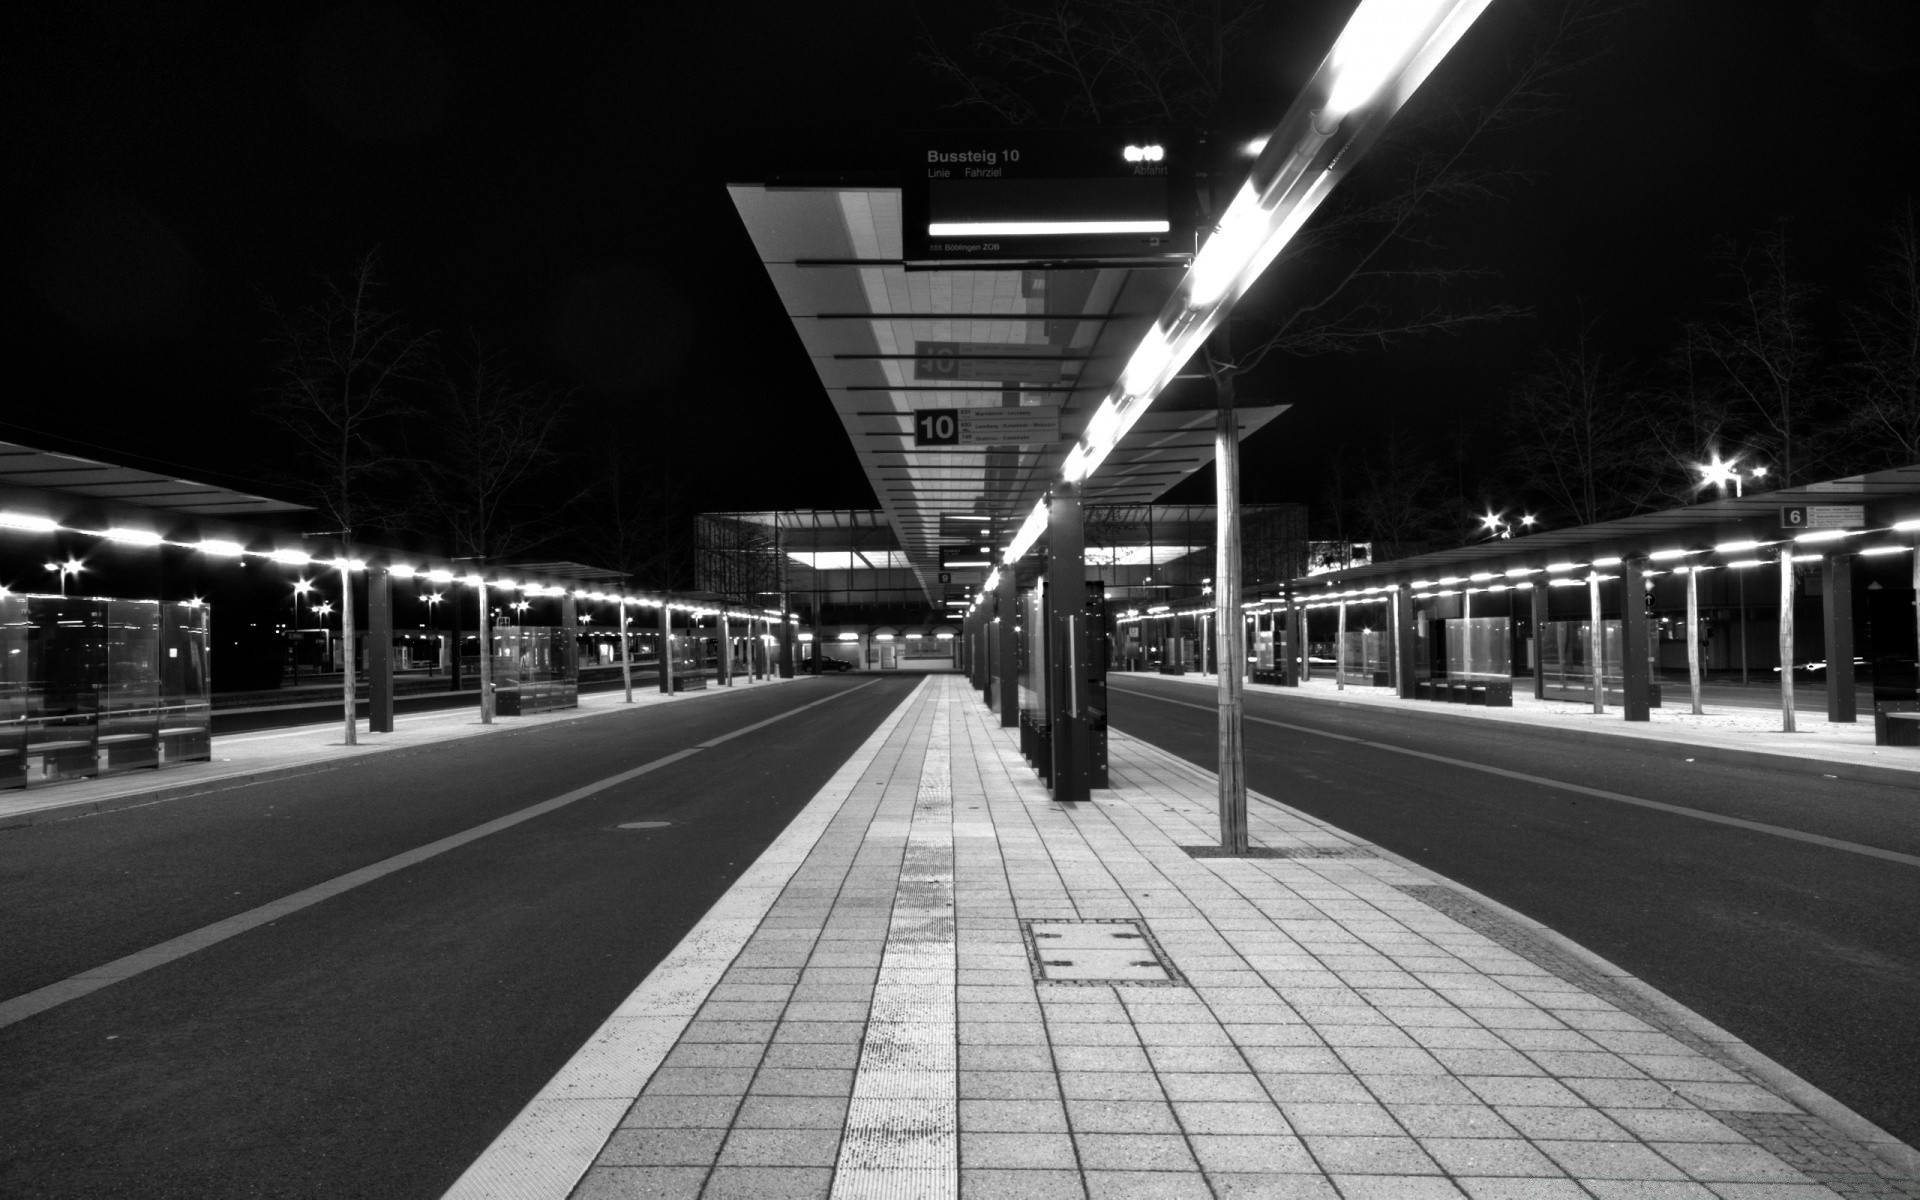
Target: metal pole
point(486, 657)
point(1693, 637)
point(626, 659)
point(1743, 628)
point(1226, 599)
point(1595, 642)
point(1340, 651)
point(347, 644)
point(666, 646)
point(1786, 639)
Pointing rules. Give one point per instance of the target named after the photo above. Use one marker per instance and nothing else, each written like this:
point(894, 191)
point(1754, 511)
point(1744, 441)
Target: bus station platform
point(240, 759)
point(939, 982)
point(1744, 730)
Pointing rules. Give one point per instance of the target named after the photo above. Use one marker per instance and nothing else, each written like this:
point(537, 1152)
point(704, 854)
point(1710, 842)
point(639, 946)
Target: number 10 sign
point(985, 426)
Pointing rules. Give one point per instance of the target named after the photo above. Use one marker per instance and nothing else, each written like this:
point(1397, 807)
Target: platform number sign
point(936, 427)
point(1823, 516)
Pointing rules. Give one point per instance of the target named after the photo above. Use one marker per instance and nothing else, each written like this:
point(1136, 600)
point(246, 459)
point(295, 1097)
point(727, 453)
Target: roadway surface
point(374, 1043)
point(1809, 953)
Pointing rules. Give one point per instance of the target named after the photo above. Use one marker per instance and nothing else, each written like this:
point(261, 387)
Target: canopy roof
point(870, 326)
point(25, 466)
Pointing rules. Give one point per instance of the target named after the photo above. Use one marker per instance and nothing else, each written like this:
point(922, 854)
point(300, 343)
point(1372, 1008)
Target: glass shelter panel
point(1479, 648)
point(186, 685)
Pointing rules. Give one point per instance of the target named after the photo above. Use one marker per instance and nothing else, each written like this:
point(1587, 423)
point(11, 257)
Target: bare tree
point(1578, 437)
point(340, 387)
point(1399, 499)
point(1766, 355)
point(486, 483)
point(1687, 414)
point(1882, 384)
point(635, 521)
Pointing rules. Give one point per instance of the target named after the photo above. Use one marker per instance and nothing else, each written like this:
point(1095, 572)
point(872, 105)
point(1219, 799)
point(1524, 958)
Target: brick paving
point(1342, 1026)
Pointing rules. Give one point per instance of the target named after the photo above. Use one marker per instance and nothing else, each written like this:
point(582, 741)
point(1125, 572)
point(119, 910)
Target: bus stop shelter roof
point(28, 467)
point(1886, 497)
point(869, 323)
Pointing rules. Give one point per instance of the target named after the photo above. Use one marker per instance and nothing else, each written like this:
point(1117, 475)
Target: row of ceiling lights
point(223, 548)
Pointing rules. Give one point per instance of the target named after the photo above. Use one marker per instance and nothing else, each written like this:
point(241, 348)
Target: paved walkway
point(1741, 729)
point(938, 982)
point(244, 758)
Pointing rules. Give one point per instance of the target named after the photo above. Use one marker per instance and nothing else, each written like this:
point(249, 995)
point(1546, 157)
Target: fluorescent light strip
point(1040, 228)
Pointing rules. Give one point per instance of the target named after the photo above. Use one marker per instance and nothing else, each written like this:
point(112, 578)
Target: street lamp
point(1496, 525)
point(1720, 473)
point(70, 567)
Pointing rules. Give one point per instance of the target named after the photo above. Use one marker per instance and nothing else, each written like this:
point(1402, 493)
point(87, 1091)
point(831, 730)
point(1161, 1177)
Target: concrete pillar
point(666, 647)
point(379, 650)
point(349, 676)
point(1340, 651)
point(1230, 730)
point(486, 655)
point(1596, 642)
point(1006, 651)
point(626, 657)
point(723, 648)
point(1786, 639)
point(1067, 647)
point(1406, 640)
point(1693, 639)
point(1287, 645)
point(1538, 608)
point(786, 645)
point(570, 644)
point(1836, 603)
point(1635, 677)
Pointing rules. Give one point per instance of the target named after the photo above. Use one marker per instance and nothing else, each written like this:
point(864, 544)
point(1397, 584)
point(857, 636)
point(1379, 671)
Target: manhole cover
point(1096, 952)
point(644, 825)
point(1283, 852)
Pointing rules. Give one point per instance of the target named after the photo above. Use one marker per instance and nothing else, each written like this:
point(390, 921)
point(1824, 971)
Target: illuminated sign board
point(1018, 196)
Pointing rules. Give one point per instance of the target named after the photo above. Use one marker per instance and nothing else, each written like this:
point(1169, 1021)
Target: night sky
point(554, 182)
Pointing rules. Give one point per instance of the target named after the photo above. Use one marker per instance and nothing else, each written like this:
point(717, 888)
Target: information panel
point(1023, 196)
point(985, 426)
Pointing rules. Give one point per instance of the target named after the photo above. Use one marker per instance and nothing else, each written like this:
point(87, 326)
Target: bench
point(1896, 723)
point(689, 683)
point(1172, 669)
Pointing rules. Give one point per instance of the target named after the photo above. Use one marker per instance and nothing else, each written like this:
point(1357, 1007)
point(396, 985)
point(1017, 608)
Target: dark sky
point(553, 181)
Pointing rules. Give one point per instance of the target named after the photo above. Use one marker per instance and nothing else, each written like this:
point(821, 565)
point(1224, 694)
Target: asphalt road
point(374, 1043)
point(1809, 953)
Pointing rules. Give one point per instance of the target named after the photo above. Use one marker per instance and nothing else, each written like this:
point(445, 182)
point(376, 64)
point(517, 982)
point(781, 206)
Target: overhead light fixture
point(1736, 547)
point(1030, 531)
point(220, 548)
point(1823, 535)
point(400, 571)
point(133, 537)
point(292, 558)
point(28, 523)
point(440, 576)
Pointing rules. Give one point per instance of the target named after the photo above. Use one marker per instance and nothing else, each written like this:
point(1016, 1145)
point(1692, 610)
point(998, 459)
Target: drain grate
point(1097, 953)
point(1283, 852)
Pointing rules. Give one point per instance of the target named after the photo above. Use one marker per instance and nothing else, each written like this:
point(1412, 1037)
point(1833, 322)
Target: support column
point(1406, 643)
point(723, 648)
point(1006, 651)
point(1693, 638)
point(349, 676)
point(1786, 638)
point(1635, 676)
point(1340, 651)
point(1231, 728)
point(786, 644)
point(1836, 603)
point(1596, 643)
point(379, 650)
point(1539, 603)
point(486, 654)
point(1288, 651)
point(570, 643)
point(666, 646)
point(1067, 648)
point(626, 657)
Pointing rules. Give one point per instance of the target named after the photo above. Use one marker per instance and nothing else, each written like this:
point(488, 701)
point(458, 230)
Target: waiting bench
point(1896, 723)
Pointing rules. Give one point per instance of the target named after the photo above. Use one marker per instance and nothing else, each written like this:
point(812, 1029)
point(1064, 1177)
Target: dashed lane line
point(1781, 831)
point(28, 1004)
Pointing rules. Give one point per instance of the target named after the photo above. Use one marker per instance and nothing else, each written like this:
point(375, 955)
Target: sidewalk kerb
point(546, 1149)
